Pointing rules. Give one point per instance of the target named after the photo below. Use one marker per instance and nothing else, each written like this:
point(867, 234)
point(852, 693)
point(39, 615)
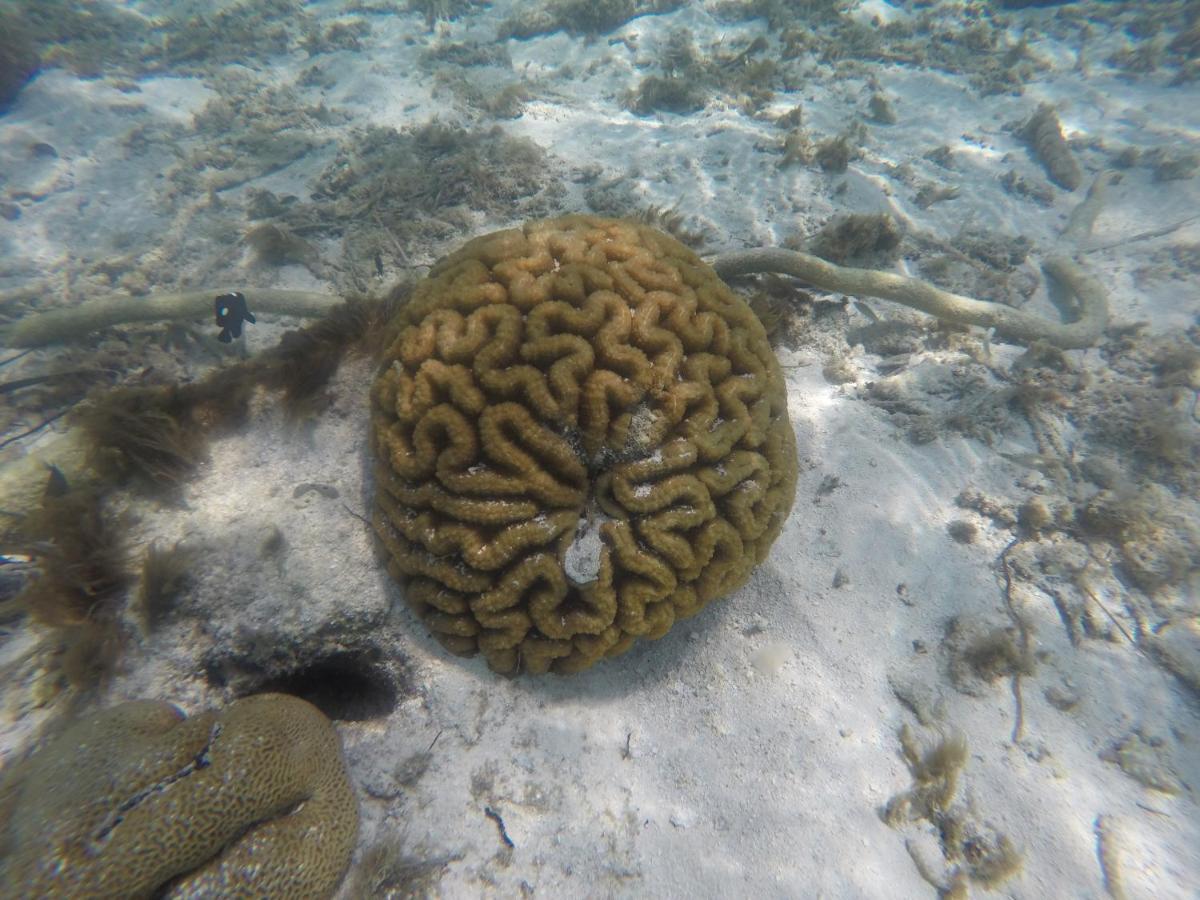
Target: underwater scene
point(599, 449)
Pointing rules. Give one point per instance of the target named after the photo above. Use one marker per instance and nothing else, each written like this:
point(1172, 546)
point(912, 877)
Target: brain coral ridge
point(581, 436)
point(136, 801)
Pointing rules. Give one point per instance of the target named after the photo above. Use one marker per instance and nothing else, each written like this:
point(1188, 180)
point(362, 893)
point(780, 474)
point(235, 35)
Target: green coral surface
point(137, 801)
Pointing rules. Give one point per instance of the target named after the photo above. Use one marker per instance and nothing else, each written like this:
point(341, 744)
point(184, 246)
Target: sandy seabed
point(755, 750)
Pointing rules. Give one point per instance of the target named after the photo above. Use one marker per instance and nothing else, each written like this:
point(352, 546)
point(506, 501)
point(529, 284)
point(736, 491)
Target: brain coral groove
point(581, 436)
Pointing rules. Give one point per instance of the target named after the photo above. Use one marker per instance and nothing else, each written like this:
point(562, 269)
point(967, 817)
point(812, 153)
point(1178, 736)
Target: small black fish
point(231, 313)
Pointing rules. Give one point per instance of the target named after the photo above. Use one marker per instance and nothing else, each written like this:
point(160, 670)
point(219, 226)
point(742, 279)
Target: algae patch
point(972, 852)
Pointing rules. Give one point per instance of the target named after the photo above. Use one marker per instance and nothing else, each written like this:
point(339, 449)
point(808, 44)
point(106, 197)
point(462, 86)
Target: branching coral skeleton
point(65, 324)
point(921, 295)
point(1090, 297)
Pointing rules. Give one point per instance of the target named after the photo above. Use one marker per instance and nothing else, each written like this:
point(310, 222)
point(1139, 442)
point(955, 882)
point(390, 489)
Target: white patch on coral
point(581, 562)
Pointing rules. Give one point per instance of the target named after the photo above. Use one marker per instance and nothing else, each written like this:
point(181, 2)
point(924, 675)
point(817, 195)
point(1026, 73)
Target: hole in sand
point(345, 686)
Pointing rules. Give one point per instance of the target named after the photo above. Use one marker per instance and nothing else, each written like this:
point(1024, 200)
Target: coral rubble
point(1044, 135)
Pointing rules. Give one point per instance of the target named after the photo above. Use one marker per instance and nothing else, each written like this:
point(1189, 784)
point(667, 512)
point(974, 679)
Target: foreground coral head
point(136, 801)
point(581, 436)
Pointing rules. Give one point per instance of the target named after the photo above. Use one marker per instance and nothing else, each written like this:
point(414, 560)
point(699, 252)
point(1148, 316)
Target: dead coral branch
point(1092, 301)
point(1012, 323)
point(64, 324)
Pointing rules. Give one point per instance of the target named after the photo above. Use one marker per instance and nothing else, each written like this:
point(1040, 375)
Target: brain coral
point(136, 801)
point(581, 435)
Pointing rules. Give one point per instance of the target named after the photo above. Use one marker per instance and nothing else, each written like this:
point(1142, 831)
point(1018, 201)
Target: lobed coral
point(136, 801)
point(581, 436)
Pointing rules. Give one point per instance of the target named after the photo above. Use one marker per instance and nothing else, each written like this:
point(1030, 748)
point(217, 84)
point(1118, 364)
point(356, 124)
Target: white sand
point(749, 752)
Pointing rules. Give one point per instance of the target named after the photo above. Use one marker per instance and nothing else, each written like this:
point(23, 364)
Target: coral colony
point(581, 436)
